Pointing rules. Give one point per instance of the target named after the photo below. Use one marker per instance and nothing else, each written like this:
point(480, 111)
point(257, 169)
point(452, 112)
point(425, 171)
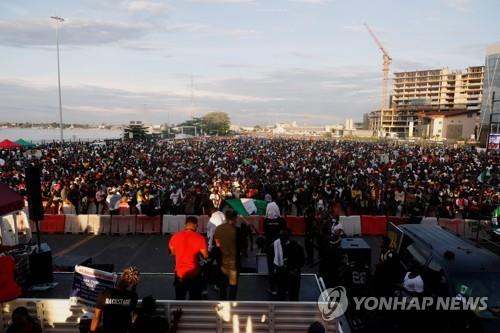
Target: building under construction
point(418, 92)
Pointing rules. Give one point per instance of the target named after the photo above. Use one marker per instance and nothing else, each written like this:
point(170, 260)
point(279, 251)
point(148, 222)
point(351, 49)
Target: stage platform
point(252, 287)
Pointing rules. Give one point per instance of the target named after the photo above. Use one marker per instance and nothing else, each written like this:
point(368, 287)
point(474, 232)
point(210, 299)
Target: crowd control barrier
point(173, 223)
point(373, 225)
point(52, 224)
point(455, 226)
point(123, 224)
point(351, 224)
point(354, 225)
point(397, 220)
point(257, 222)
point(202, 223)
point(429, 220)
point(148, 224)
point(76, 224)
point(296, 225)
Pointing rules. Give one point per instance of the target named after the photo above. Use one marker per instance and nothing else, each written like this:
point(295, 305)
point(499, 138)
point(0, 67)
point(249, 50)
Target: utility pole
point(58, 21)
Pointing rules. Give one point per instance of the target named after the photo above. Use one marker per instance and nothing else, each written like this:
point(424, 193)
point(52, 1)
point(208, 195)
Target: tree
point(135, 131)
point(218, 122)
point(191, 124)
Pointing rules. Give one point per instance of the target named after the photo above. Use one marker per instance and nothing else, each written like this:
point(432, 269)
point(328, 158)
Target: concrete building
point(429, 91)
point(450, 125)
point(491, 84)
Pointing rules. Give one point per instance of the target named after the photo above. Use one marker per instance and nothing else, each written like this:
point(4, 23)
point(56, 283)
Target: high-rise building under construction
point(437, 90)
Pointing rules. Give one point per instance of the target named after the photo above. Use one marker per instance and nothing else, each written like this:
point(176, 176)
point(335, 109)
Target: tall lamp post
point(58, 21)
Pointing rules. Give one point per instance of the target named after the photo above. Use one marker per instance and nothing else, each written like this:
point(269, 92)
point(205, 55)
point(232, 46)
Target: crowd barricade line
point(76, 224)
point(256, 221)
point(104, 224)
point(398, 220)
point(120, 224)
point(173, 223)
point(52, 224)
point(202, 223)
point(373, 225)
point(94, 224)
point(476, 228)
point(429, 220)
point(148, 224)
point(351, 224)
point(296, 225)
point(455, 226)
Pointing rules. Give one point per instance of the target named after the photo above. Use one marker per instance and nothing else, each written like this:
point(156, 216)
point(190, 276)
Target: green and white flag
point(246, 207)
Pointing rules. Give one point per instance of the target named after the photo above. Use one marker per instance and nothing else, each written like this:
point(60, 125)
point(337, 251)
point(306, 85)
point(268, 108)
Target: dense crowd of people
point(188, 176)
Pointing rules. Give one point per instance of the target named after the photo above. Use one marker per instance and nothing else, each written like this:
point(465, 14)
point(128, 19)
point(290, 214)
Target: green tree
point(190, 124)
point(135, 132)
point(217, 122)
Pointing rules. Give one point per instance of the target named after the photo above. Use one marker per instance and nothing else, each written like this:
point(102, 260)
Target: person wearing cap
point(187, 246)
point(273, 224)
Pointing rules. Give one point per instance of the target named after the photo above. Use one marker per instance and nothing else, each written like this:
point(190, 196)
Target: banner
point(88, 283)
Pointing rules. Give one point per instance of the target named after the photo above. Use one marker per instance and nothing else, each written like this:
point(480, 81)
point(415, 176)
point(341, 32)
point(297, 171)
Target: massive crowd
point(187, 176)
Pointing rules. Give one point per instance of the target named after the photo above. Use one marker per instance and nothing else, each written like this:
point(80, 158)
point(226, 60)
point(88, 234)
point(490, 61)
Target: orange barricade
point(296, 225)
point(122, 224)
point(396, 220)
point(373, 225)
point(455, 226)
point(52, 224)
point(148, 224)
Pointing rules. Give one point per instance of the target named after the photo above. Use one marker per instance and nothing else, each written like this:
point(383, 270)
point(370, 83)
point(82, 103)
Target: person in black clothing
point(288, 260)
point(147, 321)
point(115, 305)
point(310, 229)
point(22, 322)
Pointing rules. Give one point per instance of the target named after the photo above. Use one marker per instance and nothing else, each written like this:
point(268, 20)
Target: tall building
point(437, 90)
point(491, 84)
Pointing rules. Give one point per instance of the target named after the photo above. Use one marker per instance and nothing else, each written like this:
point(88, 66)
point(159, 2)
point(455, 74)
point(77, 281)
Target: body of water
point(76, 134)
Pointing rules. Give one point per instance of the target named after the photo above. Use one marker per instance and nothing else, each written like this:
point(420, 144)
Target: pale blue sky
point(260, 61)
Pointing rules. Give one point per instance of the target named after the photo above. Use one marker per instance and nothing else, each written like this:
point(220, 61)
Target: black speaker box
point(41, 270)
point(34, 190)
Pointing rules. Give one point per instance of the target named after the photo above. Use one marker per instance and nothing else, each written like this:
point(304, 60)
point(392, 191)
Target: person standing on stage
point(226, 236)
point(187, 246)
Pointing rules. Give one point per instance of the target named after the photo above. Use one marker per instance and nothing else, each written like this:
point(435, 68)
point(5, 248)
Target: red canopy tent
point(7, 144)
point(10, 200)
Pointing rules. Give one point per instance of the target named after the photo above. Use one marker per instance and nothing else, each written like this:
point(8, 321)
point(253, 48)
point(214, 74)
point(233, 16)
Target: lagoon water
point(52, 134)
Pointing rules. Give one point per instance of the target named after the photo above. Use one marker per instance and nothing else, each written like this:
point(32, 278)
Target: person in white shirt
point(216, 219)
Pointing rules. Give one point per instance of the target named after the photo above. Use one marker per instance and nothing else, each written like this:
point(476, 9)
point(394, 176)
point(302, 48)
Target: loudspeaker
point(33, 187)
point(41, 270)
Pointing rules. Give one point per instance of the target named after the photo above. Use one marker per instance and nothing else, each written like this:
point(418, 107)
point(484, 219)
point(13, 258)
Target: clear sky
point(261, 61)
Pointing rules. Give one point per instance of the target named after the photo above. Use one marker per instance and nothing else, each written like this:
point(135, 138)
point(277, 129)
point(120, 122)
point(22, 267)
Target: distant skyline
point(261, 61)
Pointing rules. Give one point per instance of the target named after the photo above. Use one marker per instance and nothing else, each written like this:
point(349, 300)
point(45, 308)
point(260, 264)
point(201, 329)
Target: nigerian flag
point(246, 207)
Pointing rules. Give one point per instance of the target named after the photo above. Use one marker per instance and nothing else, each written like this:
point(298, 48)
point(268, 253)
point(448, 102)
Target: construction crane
point(385, 81)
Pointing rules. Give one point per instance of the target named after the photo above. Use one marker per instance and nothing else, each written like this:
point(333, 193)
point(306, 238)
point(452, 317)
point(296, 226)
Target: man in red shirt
point(186, 246)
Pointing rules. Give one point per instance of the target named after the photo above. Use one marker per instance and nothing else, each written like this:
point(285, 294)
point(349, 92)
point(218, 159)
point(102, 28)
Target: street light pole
point(59, 20)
